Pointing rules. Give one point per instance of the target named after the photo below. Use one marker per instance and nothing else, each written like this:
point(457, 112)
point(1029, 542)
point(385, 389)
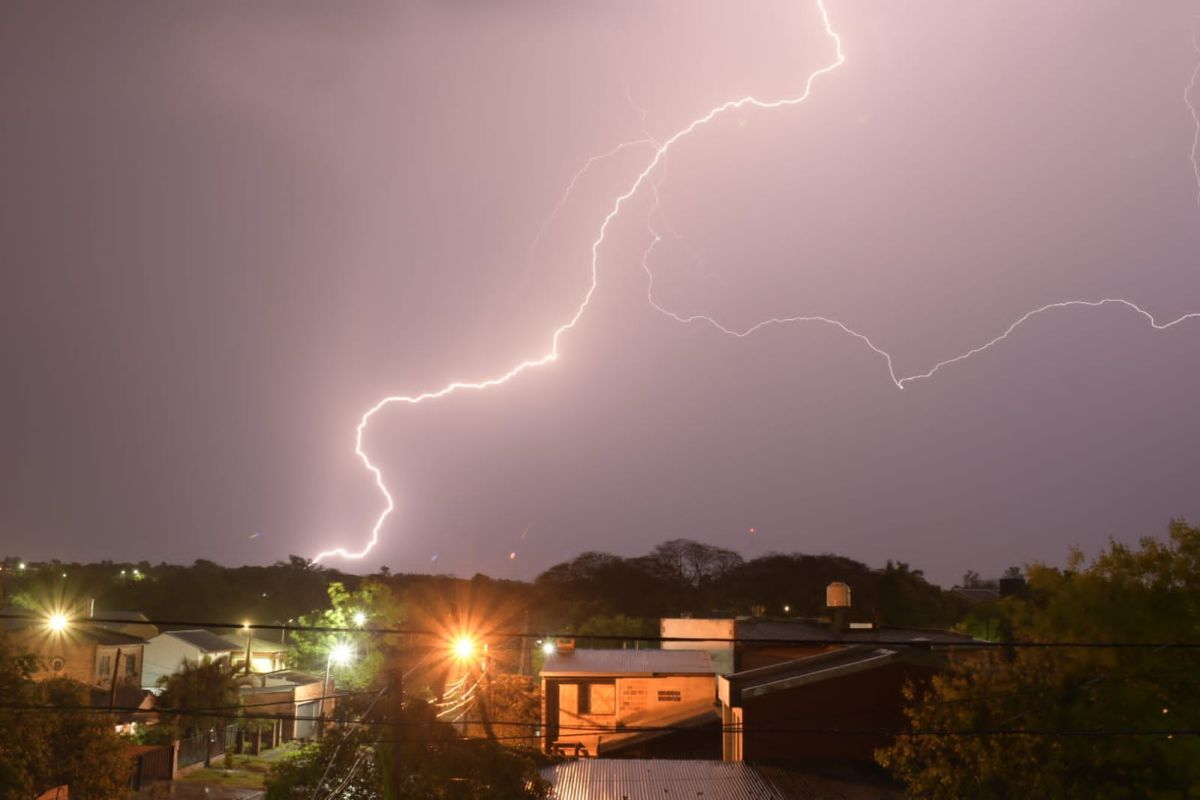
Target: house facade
point(85, 653)
point(601, 702)
point(167, 652)
point(296, 698)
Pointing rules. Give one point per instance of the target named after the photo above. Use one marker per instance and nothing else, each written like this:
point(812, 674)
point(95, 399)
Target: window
point(131, 665)
point(670, 696)
point(105, 666)
point(598, 698)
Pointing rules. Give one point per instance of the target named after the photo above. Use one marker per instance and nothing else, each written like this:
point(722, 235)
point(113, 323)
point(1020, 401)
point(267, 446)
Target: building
point(81, 651)
point(833, 706)
point(265, 656)
point(605, 702)
point(167, 652)
point(745, 643)
point(296, 698)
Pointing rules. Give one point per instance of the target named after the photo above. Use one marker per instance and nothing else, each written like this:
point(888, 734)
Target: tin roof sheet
point(629, 662)
point(647, 779)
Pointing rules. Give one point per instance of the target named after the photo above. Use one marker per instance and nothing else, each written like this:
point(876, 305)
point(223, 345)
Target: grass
point(247, 772)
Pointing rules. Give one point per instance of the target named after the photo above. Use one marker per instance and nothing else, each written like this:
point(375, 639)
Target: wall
point(721, 652)
point(774, 724)
point(637, 702)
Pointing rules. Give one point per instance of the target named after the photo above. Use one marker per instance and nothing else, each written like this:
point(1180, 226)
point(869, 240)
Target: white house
point(167, 652)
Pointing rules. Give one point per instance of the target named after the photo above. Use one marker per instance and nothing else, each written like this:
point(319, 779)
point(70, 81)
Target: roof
point(203, 640)
point(643, 779)
point(257, 645)
point(122, 616)
point(282, 680)
point(977, 595)
point(629, 662)
point(107, 637)
point(733, 689)
point(802, 630)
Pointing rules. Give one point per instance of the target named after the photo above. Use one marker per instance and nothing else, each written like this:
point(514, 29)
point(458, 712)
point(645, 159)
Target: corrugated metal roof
point(204, 640)
point(808, 631)
point(629, 662)
point(653, 779)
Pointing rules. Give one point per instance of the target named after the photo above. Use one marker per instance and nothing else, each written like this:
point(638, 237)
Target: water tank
point(837, 595)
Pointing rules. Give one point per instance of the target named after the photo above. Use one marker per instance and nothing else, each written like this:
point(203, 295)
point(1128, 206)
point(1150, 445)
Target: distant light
point(464, 647)
point(58, 622)
point(360, 618)
point(512, 556)
point(787, 609)
point(122, 572)
point(340, 654)
point(548, 648)
point(1166, 710)
point(64, 574)
point(245, 626)
point(21, 565)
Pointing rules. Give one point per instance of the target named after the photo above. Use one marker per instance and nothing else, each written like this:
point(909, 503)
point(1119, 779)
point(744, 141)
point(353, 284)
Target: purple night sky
point(228, 229)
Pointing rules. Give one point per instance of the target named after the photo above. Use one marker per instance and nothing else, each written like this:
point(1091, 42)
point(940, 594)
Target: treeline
point(687, 577)
point(594, 592)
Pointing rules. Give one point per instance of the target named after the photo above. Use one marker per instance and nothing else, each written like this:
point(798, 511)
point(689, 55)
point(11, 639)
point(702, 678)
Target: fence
point(206, 746)
point(152, 764)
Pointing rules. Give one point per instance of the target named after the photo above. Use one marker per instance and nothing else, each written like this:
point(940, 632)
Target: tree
point(692, 563)
point(435, 763)
point(65, 745)
point(199, 697)
point(1149, 594)
point(378, 607)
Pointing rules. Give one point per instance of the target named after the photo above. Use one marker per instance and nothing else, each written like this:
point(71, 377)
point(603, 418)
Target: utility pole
point(112, 692)
point(395, 716)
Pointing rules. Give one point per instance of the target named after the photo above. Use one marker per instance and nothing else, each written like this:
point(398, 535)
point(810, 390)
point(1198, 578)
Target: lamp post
point(339, 654)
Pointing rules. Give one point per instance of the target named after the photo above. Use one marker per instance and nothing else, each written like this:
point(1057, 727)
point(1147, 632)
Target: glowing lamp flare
point(360, 618)
point(464, 647)
point(340, 654)
point(58, 622)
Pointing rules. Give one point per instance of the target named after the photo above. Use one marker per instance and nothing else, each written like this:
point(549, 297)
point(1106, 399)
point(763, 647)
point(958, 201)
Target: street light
point(548, 648)
point(339, 654)
point(360, 618)
point(58, 622)
point(464, 647)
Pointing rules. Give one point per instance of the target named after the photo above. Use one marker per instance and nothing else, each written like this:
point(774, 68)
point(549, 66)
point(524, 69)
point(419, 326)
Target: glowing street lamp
point(339, 654)
point(360, 618)
point(58, 622)
point(464, 647)
point(548, 648)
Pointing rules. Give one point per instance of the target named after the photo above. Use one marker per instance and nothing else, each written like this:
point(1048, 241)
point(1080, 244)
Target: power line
point(861, 637)
point(587, 729)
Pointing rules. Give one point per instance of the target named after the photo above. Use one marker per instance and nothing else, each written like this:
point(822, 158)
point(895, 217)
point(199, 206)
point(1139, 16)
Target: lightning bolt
point(643, 178)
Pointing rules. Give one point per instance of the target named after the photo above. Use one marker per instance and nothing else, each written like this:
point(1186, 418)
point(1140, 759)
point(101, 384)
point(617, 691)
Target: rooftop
point(629, 662)
point(257, 645)
point(807, 630)
point(813, 669)
point(643, 779)
point(204, 641)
